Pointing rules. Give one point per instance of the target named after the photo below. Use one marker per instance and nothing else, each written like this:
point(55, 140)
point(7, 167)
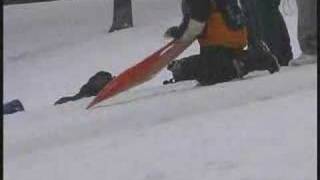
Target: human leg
point(307, 32)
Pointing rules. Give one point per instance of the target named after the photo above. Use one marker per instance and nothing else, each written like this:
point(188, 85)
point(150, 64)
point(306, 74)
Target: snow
point(262, 128)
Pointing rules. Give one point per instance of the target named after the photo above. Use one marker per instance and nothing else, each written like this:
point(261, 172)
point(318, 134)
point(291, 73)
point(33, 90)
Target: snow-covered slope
point(263, 127)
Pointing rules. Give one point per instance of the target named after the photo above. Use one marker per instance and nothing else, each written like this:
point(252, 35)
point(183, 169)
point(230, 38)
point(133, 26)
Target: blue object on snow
point(12, 107)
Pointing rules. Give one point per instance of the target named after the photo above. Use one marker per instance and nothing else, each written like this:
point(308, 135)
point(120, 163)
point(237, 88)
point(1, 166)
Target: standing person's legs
point(307, 32)
point(274, 30)
point(253, 23)
point(266, 23)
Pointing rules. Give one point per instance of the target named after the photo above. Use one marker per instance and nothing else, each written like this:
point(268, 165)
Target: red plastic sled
point(140, 72)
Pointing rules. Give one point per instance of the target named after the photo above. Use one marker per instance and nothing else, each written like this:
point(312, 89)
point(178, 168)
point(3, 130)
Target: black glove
point(173, 32)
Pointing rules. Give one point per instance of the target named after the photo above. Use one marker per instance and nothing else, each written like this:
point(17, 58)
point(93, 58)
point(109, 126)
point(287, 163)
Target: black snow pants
point(217, 64)
point(211, 66)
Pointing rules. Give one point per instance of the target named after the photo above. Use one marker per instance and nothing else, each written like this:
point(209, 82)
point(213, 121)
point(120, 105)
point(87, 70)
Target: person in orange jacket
point(219, 27)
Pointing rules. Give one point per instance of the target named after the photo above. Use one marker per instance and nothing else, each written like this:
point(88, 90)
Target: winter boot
point(261, 58)
point(303, 59)
point(270, 60)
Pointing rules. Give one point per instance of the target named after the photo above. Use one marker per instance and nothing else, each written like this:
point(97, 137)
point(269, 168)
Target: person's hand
point(172, 32)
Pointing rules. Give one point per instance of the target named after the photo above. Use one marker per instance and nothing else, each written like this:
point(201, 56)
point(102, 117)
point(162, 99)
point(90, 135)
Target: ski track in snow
point(263, 127)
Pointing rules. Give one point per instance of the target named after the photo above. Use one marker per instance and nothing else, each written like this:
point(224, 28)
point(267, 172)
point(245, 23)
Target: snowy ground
point(262, 128)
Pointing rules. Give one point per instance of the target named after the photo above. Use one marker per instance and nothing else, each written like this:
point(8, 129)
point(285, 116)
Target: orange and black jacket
point(224, 20)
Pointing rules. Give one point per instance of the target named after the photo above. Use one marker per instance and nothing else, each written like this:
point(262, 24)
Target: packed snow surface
point(259, 128)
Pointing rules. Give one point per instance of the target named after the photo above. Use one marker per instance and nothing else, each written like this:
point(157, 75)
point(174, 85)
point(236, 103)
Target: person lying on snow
point(219, 27)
